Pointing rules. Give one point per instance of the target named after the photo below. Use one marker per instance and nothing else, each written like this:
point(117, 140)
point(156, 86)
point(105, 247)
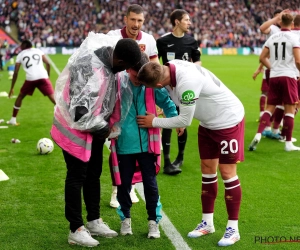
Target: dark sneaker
point(172, 170)
point(177, 163)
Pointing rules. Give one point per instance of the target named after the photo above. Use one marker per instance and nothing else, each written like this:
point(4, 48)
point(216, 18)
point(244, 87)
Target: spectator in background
point(177, 45)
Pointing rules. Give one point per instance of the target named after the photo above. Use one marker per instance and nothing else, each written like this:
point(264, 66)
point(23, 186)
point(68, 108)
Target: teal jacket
point(133, 139)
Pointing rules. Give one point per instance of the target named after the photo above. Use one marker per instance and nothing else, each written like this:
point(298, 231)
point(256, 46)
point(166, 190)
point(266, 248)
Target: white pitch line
point(169, 229)
point(53, 65)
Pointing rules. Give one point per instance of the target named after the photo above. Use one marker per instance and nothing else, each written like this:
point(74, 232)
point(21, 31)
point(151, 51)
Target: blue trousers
point(127, 166)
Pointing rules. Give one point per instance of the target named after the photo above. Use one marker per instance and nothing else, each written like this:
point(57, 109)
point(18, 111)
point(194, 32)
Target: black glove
point(80, 112)
point(102, 133)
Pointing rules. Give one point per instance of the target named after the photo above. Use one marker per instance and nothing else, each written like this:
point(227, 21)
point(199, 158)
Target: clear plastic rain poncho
point(86, 91)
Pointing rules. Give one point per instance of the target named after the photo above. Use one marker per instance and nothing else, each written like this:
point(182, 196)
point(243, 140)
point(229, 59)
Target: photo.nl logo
point(276, 239)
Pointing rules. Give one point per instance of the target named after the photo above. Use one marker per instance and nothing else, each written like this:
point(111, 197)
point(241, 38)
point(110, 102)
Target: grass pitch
point(32, 200)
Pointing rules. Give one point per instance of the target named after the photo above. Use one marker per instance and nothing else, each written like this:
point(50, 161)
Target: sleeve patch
point(188, 98)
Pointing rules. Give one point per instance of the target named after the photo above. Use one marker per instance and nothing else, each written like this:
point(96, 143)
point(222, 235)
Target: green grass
point(32, 201)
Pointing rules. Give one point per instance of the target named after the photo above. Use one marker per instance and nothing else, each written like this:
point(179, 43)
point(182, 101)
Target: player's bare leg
point(17, 106)
point(51, 97)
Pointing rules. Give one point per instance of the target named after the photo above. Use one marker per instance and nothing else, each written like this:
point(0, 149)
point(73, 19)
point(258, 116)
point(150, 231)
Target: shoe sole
point(17, 124)
point(290, 150)
point(226, 245)
point(153, 237)
point(104, 235)
point(197, 236)
point(113, 206)
point(72, 242)
point(124, 234)
point(173, 173)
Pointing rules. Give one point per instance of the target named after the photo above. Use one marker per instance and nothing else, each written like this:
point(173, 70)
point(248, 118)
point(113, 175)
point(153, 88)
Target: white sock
point(275, 131)
point(13, 120)
point(233, 224)
point(268, 128)
point(208, 218)
point(258, 136)
point(289, 144)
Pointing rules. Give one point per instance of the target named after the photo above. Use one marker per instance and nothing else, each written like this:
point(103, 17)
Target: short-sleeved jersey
point(281, 47)
point(145, 41)
point(297, 33)
point(184, 48)
point(273, 30)
point(200, 94)
point(32, 62)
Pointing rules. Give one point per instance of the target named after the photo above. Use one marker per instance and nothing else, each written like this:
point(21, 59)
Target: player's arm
point(264, 57)
point(265, 27)
point(296, 52)
point(184, 119)
point(196, 54)
point(163, 101)
point(14, 79)
point(258, 70)
point(45, 60)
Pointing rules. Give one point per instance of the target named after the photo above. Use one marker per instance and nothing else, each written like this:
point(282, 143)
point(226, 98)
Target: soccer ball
point(44, 146)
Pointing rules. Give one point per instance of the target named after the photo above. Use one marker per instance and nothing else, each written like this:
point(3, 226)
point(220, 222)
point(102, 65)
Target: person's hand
point(278, 17)
point(255, 74)
point(180, 131)
point(159, 111)
point(145, 121)
point(11, 92)
point(114, 133)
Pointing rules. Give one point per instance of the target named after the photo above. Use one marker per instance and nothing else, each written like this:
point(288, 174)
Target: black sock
point(166, 144)
point(181, 145)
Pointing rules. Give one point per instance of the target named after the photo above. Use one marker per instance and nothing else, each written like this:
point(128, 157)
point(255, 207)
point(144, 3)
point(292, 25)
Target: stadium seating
point(231, 23)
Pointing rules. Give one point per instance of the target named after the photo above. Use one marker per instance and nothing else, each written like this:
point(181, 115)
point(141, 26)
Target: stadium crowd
point(231, 23)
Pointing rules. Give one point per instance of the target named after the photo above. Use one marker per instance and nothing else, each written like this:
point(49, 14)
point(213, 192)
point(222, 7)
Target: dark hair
point(286, 19)
point(177, 15)
point(151, 73)
point(128, 50)
point(144, 60)
point(277, 11)
point(26, 44)
point(297, 21)
point(135, 8)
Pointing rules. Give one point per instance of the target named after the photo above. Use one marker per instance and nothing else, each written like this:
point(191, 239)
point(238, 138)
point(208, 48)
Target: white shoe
point(100, 228)
point(291, 148)
point(201, 229)
point(82, 237)
point(254, 143)
point(126, 227)
point(134, 198)
point(113, 200)
point(12, 123)
point(230, 237)
point(154, 232)
point(284, 139)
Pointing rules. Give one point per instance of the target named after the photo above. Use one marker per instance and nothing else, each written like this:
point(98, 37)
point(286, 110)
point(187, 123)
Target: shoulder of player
point(146, 34)
point(113, 32)
point(165, 37)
